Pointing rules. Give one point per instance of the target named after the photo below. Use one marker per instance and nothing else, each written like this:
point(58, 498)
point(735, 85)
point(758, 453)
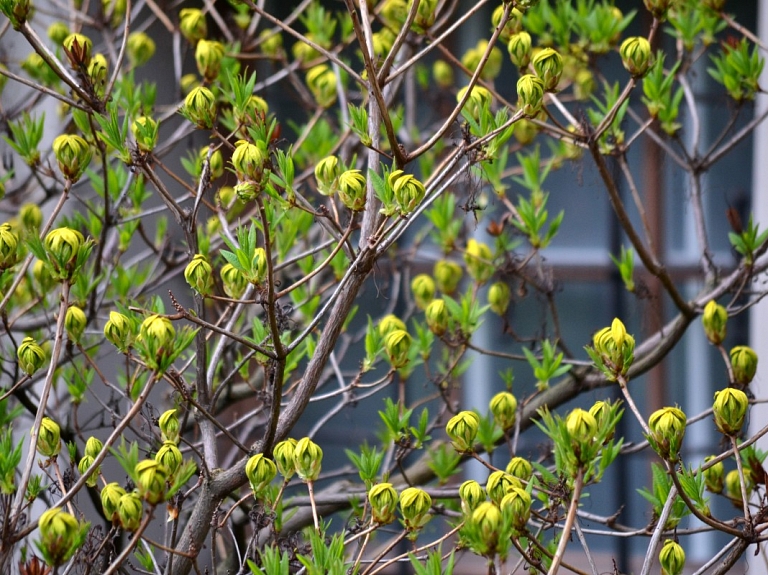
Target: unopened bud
point(672, 558)
point(636, 55)
point(119, 330)
point(169, 456)
point(327, 172)
point(744, 364)
point(49, 438)
point(383, 499)
point(520, 467)
point(233, 280)
point(658, 7)
point(200, 107)
point(110, 497)
point(715, 321)
point(308, 459)
point(714, 476)
point(140, 47)
point(423, 289)
point(283, 453)
point(208, 56)
point(479, 98)
point(499, 484)
point(503, 406)
point(169, 426)
point(530, 94)
point(437, 316)
point(78, 48)
point(9, 244)
point(73, 154)
point(415, 504)
point(30, 355)
point(216, 163)
point(390, 323)
point(60, 536)
point(478, 259)
point(352, 190)
point(75, 322)
point(447, 276)
point(667, 427)
point(199, 274)
point(442, 73)
point(397, 344)
point(548, 64)
point(31, 217)
point(151, 476)
point(248, 161)
point(407, 189)
point(157, 331)
point(499, 295)
point(518, 502)
point(581, 426)
point(129, 511)
point(472, 494)
point(519, 49)
point(321, 81)
point(83, 465)
point(145, 131)
point(730, 409)
point(271, 43)
point(462, 429)
point(486, 520)
point(192, 24)
point(93, 447)
point(513, 26)
point(260, 471)
point(63, 246)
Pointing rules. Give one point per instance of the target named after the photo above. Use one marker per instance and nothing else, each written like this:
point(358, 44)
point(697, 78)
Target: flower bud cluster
point(613, 350)
point(60, 535)
point(462, 429)
point(407, 189)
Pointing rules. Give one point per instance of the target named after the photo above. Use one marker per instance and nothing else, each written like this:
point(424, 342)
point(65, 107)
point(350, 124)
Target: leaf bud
point(145, 131)
point(78, 48)
point(498, 298)
point(251, 114)
point(715, 320)
point(192, 24)
point(140, 47)
point(49, 438)
point(744, 364)
point(472, 494)
point(518, 502)
point(75, 322)
point(63, 246)
point(248, 161)
point(151, 476)
point(208, 56)
point(478, 259)
point(110, 498)
point(73, 154)
point(58, 32)
point(714, 476)
point(83, 465)
point(60, 536)
point(200, 107)
point(31, 217)
point(437, 316)
point(383, 499)
point(9, 243)
point(390, 323)
point(671, 558)
point(321, 81)
point(397, 344)
point(530, 94)
point(352, 190)
point(447, 276)
point(169, 426)
point(730, 408)
point(667, 426)
point(119, 330)
point(423, 289)
point(503, 406)
point(499, 484)
point(260, 471)
point(548, 64)
point(199, 274)
point(636, 56)
point(519, 49)
point(170, 457)
point(31, 356)
point(129, 511)
point(283, 453)
point(462, 429)
point(415, 504)
point(407, 189)
point(308, 459)
point(233, 280)
point(327, 172)
point(520, 467)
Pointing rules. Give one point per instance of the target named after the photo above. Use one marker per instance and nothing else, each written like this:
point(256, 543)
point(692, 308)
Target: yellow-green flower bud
point(140, 48)
point(9, 243)
point(733, 486)
point(129, 511)
point(208, 56)
point(548, 65)
point(443, 74)
point(308, 459)
point(581, 426)
point(58, 32)
point(157, 329)
point(248, 161)
point(658, 7)
point(49, 438)
point(271, 43)
point(321, 81)
point(744, 364)
point(513, 26)
point(408, 190)
point(714, 476)
point(423, 289)
point(199, 274)
point(503, 406)
point(667, 427)
point(487, 520)
point(78, 48)
point(247, 191)
point(75, 322)
point(216, 163)
point(93, 447)
point(383, 499)
point(303, 52)
point(110, 498)
point(97, 71)
point(83, 465)
point(437, 316)
point(233, 280)
point(425, 15)
point(63, 246)
point(60, 536)
point(462, 429)
point(519, 49)
point(352, 190)
point(119, 330)
point(169, 426)
point(472, 494)
point(415, 504)
point(472, 58)
point(636, 55)
point(715, 320)
point(390, 323)
point(31, 217)
point(730, 409)
point(192, 24)
point(479, 260)
point(259, 265)
point(518, 502)
point(283, 453)
point(145, 131)
point(499, 484)
point(447, 276)
point(200, 107)
point(394, 13)
point(520, 467)
point(397, 344)
point(327, 172)
point(530, 94)
point(615, 347)
point(30, 355)
point(260, 471)
point(115, 9)
point(151, 476)
point(169, 457)
point(671, 558)
point(73, 154)
point(479, 98)
point(499, 295)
